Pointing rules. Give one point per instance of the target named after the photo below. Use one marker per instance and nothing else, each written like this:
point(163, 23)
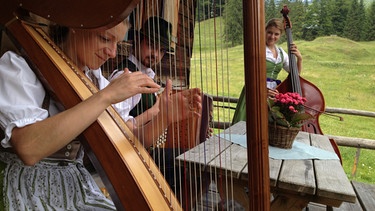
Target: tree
point(233, 22)
point(362, 20)
point(203, 10)
point(325, 22)
point(209, 8)
point(353, 23)
point(310, 28)
point(298, 15)
point(271, 11)
point(346, 18)
point(217, 8)
point(338, 16)
point(370, 30)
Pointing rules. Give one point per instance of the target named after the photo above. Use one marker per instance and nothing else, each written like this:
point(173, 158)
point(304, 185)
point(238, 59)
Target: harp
point(135, 182)
point(189, 65)
point(136, 170)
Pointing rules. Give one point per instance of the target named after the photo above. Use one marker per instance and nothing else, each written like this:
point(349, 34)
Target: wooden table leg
point(282, 203)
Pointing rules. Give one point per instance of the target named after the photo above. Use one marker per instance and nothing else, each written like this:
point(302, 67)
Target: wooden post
point(256, 105)
point(356, 160)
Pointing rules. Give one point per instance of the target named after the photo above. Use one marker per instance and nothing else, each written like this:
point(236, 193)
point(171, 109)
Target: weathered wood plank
point(348, 207)
point(204, 153)
point(365, 194)
point(345, 206)
point(298, 175)
point(275, 166)
point(334, 186)
point(282, 203)
point(239, 128)
point(233, 160)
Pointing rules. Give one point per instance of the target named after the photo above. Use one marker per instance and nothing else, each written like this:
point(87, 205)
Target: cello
point(315, 104)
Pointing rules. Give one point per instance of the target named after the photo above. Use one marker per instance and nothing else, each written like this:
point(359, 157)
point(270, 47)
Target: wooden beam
point(256, 107)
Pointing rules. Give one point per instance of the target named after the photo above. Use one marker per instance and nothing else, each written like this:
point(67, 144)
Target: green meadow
point(342, 69)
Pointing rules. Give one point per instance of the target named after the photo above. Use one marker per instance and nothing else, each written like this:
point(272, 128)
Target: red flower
point(287, 109)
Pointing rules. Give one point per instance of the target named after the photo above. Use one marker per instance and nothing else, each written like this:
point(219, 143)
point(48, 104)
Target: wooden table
point(294, 183)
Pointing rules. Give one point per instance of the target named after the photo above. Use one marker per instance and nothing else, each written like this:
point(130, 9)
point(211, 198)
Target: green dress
point(273, 70)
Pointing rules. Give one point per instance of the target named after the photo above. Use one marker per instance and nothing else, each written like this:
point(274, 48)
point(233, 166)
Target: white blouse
point(47, 184)
point(269, 57)
point(22, 95)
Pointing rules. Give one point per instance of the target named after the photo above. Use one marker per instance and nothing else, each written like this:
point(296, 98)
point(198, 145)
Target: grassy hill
point(342, 69)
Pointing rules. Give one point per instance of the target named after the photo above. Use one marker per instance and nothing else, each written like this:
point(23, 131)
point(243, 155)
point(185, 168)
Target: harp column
point(256, 108)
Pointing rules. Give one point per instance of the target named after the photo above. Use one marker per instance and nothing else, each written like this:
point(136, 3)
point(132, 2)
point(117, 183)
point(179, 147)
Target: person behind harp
point(40, 159)
point(276, 60)
point(149, 45)
point(146, 113)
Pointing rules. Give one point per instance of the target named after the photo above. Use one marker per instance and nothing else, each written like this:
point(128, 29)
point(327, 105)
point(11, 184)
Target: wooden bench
point(365, 195)
point(365, 200)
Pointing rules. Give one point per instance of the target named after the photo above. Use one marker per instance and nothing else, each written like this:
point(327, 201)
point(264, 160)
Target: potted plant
point(286, 117)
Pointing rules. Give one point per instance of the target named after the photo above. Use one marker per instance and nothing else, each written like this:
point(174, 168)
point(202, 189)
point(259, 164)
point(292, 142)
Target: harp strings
point(211, 73)
point(207, 69)
point(181, 135)
point(165, 69)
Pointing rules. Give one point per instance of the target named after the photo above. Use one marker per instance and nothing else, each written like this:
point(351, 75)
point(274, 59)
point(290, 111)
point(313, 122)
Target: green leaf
point(300, 117)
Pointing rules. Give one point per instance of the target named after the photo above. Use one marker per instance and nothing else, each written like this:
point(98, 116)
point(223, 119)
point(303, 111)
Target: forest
point(351, 19)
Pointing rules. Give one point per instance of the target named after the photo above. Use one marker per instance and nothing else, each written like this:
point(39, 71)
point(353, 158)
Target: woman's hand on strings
point(129, 84)
point(294, 50)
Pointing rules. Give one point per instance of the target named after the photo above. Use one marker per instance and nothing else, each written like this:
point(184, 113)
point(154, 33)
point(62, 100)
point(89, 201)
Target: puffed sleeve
point(124, 107)
point(21, 95)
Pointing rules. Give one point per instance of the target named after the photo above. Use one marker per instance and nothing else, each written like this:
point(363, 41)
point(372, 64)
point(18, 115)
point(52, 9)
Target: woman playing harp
point(41, 164)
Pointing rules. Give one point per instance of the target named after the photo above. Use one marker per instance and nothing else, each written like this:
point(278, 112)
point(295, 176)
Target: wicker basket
point(282, 137)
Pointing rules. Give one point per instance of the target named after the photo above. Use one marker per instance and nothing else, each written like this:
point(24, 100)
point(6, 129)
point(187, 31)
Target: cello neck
point(293, 68)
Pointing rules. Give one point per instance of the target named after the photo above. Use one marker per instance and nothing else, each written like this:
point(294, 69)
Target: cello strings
point(293, 68)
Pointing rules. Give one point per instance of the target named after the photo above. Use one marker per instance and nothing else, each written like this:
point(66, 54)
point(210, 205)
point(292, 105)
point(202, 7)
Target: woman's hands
point(171, 106)
point(294, 50)
point(129, 84)
point(271, 93)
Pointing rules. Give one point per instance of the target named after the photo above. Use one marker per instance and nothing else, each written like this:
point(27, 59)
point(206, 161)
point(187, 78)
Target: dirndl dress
point(50, 184)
